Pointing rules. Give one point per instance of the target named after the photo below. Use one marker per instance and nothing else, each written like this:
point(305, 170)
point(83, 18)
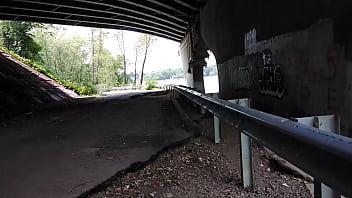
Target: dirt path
point(68, 151)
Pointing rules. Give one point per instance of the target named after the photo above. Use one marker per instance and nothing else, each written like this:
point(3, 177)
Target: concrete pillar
point(198, 78)
point(198, 81)
point(193, 52)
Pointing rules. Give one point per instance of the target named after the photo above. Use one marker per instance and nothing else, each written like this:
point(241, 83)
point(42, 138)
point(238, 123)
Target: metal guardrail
point(325, 156)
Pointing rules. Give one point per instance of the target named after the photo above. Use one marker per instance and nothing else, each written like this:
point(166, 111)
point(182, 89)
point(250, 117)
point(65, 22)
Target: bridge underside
point(224, 23)
point(168, 19)
point(292, 58)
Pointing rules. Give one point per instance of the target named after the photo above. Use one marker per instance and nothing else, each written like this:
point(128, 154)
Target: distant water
point(211, 83)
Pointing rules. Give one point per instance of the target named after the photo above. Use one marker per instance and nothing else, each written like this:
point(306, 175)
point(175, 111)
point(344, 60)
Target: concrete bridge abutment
point(289, 64)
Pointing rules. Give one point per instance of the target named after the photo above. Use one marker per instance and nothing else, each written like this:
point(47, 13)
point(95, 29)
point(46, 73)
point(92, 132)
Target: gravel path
point(199, 169)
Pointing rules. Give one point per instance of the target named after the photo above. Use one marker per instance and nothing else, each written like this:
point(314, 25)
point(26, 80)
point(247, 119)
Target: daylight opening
point(93, 61)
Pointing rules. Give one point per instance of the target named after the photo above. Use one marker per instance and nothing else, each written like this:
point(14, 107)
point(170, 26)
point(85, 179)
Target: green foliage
point(80, 90)
point(79, 63)
point(81, 60)
point(66, 57)
point(150, 84)
point(17, 36)
point(87, 90)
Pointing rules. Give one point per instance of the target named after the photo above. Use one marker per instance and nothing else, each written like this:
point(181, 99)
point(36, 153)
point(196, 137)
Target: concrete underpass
point(289, 60)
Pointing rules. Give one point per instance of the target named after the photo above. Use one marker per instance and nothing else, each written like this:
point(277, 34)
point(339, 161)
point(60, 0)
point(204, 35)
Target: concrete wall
point(224, 22)
point(283, 54)
point(297, 74)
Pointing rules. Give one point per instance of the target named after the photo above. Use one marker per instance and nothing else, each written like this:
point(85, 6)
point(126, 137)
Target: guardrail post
point(216, 125)
point(246, 151)
point(176, 94)
point(246, 161)
point(329, 123)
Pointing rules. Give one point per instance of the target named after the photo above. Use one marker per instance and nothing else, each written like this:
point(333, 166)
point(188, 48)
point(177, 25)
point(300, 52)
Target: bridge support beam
point(198, 78)
point(193, 52)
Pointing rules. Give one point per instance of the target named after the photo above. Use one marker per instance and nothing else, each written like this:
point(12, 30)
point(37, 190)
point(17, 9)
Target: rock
point(152, 194)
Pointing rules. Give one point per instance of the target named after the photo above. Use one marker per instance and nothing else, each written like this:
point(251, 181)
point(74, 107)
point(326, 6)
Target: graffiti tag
point(270, 77)
point(242, 77)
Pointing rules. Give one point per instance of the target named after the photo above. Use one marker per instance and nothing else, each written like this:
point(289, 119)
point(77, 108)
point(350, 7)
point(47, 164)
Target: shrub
point(87, 89)
point(150, 84)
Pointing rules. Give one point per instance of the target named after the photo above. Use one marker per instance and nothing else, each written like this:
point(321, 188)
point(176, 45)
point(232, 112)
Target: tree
point(92, 61)
point(110, 70)
point(121, 44)
point(65, 57)
point(145, 41)
point(72, 58)
point(44, 37)
point(17, 36)
point(137, 51)
point(76, 61)
point(97, 48)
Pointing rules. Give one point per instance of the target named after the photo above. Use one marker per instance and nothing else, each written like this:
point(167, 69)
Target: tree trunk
point(60, 64)
point(145, 58)
point(124, 58)
point(99, 54)
point(92, 80)
point(124, 69)
point(135, 68)
point(121, 45)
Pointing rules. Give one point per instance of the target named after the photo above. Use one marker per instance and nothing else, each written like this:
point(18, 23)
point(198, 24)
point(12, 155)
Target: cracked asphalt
point(66, 151)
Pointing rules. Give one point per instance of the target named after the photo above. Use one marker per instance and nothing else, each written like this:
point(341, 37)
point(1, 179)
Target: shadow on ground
point(66, 151)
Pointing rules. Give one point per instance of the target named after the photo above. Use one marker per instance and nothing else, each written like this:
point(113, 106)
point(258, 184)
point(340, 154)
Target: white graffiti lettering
point(271, 81)
point(270, 76)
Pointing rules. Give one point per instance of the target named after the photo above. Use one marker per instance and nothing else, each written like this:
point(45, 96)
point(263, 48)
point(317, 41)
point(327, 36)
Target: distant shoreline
point(211, 83)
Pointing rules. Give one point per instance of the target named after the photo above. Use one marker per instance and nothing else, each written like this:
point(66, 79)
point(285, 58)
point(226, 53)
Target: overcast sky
point(163, 53)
